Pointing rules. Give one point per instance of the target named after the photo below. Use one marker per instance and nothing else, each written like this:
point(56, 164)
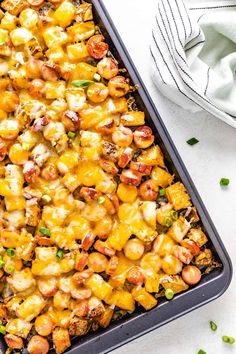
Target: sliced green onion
point(228, 339)
point(2, 329)
point(45, 231)
point(167, 221)
point(174, 215)
point(2, 39)
point(10, 269)
point(169, 294)
point(192, 141)
point(82, 83)
point(213, 326)
point(11, 252)
point(162, 192)
point(224, 182)
point(1, 261)
point(60, 254)
point(101, 200)
point(71, 135)
point(26, 146)
point(201, 352)
point(46, 199)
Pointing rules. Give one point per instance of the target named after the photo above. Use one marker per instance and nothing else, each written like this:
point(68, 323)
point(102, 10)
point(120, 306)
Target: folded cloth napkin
point(194, 55)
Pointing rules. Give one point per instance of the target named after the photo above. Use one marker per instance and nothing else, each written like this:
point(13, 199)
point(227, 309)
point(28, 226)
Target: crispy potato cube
point(84, 12)
point(76, 99)
point(81, 31)
point(79, 326)
point(96, 307)
point(16, 218)
point(14, 204)
point(179, 229)
point(205, 258)
point(148, 210)
point(105, 318)
point(31, 307)
point(61, 339)
point(55, 90)
point(152, 156)
point(54, 36)
point(14, 7)
point(133, 118)
point(171, 265)
point(19, 327)
point(64, 13)
point(198, 236)
point(8, 22)
point(178, 196)
point(122, 299)
point(99, 287)
point(119, 236)
point(126, 193)
point(163, 245)
point(161, 177)
point(173, 282)
point(32, 213)
point(83, 71)
point(61, 300)
point(20, 36)
point(77, 51)
point(21, 280)
point(152, 283)
point(118, 278)
point(144, 298)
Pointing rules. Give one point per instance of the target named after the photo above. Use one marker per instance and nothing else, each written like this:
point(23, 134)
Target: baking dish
point(213, 284)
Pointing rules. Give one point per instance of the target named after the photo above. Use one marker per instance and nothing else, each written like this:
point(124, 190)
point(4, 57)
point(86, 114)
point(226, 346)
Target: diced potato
point(126, 193)
point(148, 210)
point(14, 204)
point(84, 71)
point(41, 268)
point(28, 18)
point(55, 90)
point(163, 245)
point(61, 339)
point(29, 138)
point(123, 299)
point(133, 118)
point(114, 106)
point(21, 280)
point(56, 54)
point(31, 307)
point(79, 326)
point(19, 327)
point(20, 36)
point(117, 280)
point(67, 161)
point(61, 300)
point(64, 14)
point(178, 196)
point(54, 36)
point(88, 138)
point(8, 22)
point(54, 216)
point(105, 318)
point(152, 156)
point(16, 218)
point(85, 12)
point(77, 51)
point(76, 99)
point(161, 177)
point(179, 229)
point(152, 283)
point(205, 258)
point(173, 282)
point(91, 117)
point(14, 7)
point(81, 31)
point(151, 263)
point(89, 173)
point(171, 265)
point(144, 298)
point(99, 287)
point(119, 236)
point(198, 236)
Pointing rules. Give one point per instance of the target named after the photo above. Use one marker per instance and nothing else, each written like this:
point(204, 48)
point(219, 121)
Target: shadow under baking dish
point(212, 285)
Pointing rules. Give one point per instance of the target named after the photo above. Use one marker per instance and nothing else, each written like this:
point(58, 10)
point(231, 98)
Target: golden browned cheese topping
point(92, 224)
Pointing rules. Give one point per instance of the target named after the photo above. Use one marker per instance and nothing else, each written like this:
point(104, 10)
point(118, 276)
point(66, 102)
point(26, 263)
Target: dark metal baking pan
point(212, 285)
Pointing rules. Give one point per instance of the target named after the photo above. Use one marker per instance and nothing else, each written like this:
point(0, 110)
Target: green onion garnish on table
point(213, 326)
point(201, 352)
point(192, 141)
point(224, 182)
point(227, 339)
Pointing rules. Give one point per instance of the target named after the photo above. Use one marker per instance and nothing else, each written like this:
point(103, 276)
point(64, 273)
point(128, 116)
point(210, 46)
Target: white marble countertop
point(214, 157)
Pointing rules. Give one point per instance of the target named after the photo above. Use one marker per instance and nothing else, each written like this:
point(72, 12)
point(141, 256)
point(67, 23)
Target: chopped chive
point(213, 326)
point(162, 192)
point(45, 231)
point(101, 200)
point(167, 221)
point(46, 199)
point(2, 39)
point(192, 141)
point(224, 182)
point(11, 252)
point(1, 261)
point(10, 269)
point(228, 339)
point(201, 352)
point(82, 83)
point(2, 329)
point(71, 135)
point(169, 294)
point(174, 215)
point(60, 254)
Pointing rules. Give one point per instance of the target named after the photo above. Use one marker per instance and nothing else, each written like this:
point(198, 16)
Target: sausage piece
point(38, 345)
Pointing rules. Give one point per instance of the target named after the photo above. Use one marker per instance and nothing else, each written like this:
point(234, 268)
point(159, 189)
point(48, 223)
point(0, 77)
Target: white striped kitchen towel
point(194, 55)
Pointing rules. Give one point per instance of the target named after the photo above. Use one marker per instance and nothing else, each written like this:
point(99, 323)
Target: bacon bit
point(50, 71)
point(125, 157)
point(40, 123)
point(131, 178)
point(81, 261)
point(30, 193)
point(103, 248)
point(89, 194)
point(81, 277)
point(141, 168)
point(112, 265)
point(50, 172)
point(30, 171)
point(43, 241)
point(88, 240)
point(109, 167)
